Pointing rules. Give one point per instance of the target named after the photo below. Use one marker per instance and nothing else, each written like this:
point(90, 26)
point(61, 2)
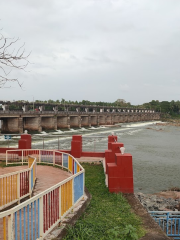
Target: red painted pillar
point(111, 139)
point(113, 147)
point(25, 142)
point(120, 174)
point(76, 146)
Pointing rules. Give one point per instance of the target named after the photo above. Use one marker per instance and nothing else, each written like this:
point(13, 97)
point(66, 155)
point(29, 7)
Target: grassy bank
point(108, 216)
point(2, 164)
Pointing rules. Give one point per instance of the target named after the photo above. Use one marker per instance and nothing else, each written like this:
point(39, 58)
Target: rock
point(163, 208)
point(159, 203)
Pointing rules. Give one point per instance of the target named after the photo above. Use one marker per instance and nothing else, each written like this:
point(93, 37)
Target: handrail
point(169, 221)
point(17, 185)
point(174, 212)
point(71, 112)
point(54, 157)
point(18, 207)
point(45, 210)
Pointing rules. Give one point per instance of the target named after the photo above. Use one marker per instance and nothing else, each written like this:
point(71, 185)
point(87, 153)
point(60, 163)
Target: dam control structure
point(62, 116)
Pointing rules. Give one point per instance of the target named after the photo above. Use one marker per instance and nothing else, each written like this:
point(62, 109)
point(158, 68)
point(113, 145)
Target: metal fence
point(36, 217)
point(169, 221)
point(17, 185)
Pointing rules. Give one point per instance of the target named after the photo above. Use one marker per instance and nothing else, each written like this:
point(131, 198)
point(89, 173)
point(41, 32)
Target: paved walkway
point(47, 176)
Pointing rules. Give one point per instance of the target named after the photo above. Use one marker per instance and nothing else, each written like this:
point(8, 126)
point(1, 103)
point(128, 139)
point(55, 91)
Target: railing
point(17, 185)
point(68, 112)
point(43, 156)
point(36, 217)
point(169, 221)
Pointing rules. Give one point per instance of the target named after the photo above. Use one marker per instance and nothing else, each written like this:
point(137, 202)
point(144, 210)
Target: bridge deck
point(47, 176)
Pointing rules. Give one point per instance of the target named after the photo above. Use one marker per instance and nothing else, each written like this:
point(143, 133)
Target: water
point(155, 150)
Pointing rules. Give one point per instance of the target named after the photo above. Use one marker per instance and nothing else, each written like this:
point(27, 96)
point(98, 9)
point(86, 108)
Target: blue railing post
point(167, 225)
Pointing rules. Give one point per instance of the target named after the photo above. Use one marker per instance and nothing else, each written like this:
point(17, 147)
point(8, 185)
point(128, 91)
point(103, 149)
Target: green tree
point(165, 106)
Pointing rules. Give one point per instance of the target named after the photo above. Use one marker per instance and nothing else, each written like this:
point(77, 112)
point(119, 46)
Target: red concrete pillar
point(110, 154)
point(76, 146)
point(111, 139)
point(25, 142)
point(120, 174)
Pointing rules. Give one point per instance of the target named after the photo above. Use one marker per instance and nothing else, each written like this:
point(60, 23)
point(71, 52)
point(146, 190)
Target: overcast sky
point(97, 50)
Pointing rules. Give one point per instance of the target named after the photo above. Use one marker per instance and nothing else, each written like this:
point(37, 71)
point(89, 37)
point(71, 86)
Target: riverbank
point(162, 201)
point(171, 122)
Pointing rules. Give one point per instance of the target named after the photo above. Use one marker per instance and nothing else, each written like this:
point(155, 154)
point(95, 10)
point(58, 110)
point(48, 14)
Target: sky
point(96, 50)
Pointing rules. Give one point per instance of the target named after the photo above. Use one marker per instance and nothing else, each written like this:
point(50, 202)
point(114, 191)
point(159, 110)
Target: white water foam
point(83, 129)
point(16, 137)
point(43, 132)
point(57, 132)
point(73, 130)
point(117, 132)
point(2, 139)
point(140, 124)
point(92, 128)
point(133, 132)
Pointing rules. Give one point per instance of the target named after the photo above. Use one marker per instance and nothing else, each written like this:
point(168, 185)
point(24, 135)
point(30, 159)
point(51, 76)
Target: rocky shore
point(163, 201)
point(169, 122)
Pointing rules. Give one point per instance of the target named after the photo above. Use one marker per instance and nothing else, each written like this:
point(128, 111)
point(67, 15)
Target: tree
point(11, 58)
point(62, 101)
point(165, 106)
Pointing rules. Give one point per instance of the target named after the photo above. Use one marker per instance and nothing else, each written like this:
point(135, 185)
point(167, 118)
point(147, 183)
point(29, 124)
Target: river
point(155, 150)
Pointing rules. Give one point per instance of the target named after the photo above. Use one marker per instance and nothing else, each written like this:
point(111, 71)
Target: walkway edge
point(154, 232)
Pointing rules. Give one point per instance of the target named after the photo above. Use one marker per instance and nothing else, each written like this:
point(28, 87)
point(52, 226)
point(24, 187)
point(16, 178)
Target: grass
point(108, 215)
point(2, 164)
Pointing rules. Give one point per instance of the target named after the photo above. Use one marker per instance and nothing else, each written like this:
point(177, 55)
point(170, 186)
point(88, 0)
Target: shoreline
point(163, 201)
point(169, 122)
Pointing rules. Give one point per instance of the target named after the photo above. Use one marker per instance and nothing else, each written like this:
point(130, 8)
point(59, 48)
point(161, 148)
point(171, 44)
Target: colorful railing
point(169, 221)
point(36, 217)
point(43, 156)
point(17, 185)
point(20, 156)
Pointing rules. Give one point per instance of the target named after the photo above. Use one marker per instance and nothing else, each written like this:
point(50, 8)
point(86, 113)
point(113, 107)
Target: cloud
point(123, 87)
point(101, 52)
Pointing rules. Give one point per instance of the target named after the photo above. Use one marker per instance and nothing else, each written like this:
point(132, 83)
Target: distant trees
point(172, 107)
point(11, 58)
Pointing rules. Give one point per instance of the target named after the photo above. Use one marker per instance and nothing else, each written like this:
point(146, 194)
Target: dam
point(67, 116)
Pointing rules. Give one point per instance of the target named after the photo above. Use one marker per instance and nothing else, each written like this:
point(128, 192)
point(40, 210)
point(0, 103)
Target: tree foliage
point(172, 107)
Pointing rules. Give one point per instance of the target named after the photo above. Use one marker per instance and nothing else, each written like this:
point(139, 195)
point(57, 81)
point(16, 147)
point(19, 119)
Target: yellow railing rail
point(17, 185)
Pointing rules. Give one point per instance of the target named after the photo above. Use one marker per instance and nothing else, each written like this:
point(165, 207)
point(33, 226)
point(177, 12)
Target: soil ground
point(154, 232)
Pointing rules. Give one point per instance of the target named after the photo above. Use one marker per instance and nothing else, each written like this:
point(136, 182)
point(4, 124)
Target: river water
point(155, 150)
